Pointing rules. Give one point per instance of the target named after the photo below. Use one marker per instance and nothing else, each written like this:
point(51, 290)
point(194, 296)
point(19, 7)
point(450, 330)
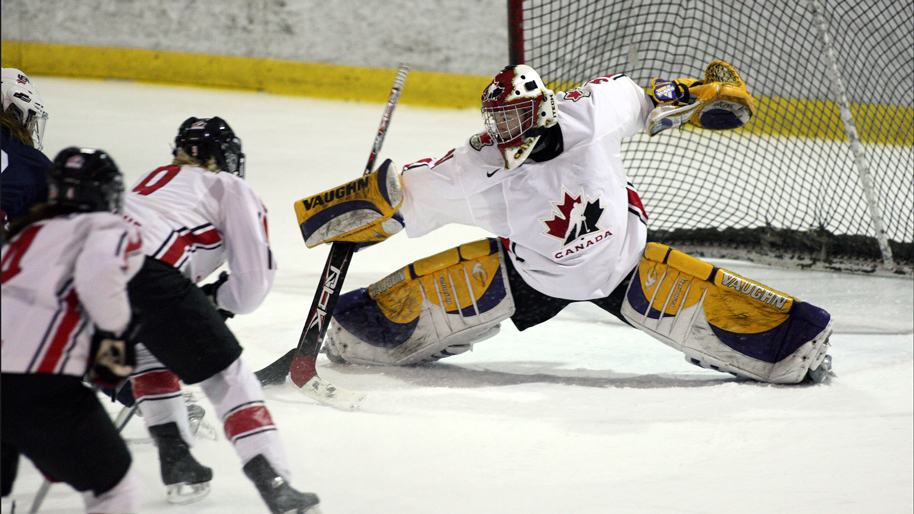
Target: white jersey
point(574, 225)
point(61, 278)
point(197, 220)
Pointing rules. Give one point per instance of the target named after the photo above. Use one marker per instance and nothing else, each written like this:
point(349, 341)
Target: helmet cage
point(21, 99)
point(516, 109)
point(508, 123)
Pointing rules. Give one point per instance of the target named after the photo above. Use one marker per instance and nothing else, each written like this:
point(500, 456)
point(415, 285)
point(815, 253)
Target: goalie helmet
point(21, 99)
point(211, 138)
point(517, 108)
point(85, 180)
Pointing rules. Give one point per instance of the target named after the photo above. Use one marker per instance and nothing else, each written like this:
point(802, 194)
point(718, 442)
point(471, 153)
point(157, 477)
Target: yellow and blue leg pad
point(724, 321)
point(430, 309)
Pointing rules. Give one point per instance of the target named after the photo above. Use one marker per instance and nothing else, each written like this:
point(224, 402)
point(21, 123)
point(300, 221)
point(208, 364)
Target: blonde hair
point(17, 131)
point(182, 159)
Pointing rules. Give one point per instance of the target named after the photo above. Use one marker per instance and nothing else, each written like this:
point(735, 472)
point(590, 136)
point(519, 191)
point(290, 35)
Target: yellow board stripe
point(880, 124)
point(427, 89)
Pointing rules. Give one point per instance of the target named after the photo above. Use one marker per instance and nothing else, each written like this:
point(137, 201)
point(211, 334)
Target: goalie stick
point(300, 362)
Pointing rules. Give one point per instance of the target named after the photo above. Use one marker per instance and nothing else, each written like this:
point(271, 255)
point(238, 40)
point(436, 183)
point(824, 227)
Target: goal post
point(816, 179)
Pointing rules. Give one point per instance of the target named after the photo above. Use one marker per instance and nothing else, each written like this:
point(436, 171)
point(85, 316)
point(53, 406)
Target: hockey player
point(65, 312)
point(196, 214)
point(546, 177)
point(24, 181)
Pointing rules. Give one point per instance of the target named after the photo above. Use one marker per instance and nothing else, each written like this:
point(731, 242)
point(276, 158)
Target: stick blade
point(276, 373)
point(328, 394)
point(303, 376)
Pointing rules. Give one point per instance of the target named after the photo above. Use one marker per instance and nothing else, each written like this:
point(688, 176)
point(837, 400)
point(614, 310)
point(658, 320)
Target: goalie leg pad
point(723, 321)
point(433, 308)
point(361, 211)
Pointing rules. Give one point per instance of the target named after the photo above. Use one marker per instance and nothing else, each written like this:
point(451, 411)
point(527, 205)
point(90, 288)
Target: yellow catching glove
point(719, 102)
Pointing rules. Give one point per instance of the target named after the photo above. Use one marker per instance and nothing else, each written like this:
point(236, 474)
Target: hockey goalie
point(546, 179)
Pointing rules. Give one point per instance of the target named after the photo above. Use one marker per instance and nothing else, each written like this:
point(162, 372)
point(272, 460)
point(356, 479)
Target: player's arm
point(245, 233)
point(619, 105)
point(427, 205)
point(720, 101)
point(427, 195)
point(110, 257)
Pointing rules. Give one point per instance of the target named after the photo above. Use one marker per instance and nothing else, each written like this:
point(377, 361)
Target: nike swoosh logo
point(493, 173)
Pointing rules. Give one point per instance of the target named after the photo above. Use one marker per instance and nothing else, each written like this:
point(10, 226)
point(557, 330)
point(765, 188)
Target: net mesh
point(785, 186)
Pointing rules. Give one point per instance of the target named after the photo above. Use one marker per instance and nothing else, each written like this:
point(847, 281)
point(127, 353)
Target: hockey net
point(787, 187)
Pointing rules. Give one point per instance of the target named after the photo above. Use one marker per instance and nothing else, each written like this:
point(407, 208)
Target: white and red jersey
point(196, 220)
point(574, 225)
point(62, 277)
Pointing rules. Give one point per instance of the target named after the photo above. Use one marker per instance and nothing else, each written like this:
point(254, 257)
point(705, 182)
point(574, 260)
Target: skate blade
point(314, 509)
point(182, 494)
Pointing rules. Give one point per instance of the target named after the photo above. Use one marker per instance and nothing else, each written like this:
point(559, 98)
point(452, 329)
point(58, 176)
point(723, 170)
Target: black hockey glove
point(113, 358)
point(209, 290)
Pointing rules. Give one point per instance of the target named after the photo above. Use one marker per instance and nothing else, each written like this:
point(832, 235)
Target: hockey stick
point(119, 423)
point(300, 361)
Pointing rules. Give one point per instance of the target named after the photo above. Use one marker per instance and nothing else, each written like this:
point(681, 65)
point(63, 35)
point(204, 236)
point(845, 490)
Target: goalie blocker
point(440, 306)
point(363, 211)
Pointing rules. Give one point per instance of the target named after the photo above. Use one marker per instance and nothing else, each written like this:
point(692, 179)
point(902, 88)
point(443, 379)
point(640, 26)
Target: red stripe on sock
point(247, 420)
point(155, 383)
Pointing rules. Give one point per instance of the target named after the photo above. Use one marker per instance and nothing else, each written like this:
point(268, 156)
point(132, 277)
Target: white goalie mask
point(22, 100)
point(517, 108)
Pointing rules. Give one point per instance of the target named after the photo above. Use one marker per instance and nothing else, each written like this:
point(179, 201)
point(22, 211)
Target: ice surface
point(579, 415)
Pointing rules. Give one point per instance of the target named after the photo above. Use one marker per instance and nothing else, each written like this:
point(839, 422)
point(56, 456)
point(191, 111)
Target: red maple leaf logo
point(576, 94)
point(558, 225)
point(577, 217)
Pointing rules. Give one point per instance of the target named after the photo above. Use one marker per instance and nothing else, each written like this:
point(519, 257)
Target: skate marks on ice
point(498, 374)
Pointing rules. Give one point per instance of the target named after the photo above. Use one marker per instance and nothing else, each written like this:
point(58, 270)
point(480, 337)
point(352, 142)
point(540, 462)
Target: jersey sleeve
point(111, 256)
point(250, 260)
point(629, 105)
point(425, 207)
point(463, 187)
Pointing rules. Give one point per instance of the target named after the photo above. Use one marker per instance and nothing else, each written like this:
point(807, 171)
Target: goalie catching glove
point(719, 102)
point(363, 211)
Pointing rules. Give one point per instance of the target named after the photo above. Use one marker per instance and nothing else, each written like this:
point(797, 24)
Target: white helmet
point(22, 100)
point(517, 109)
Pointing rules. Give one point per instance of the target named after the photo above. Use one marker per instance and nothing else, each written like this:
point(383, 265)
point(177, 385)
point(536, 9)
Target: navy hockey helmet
point(86, 180)
point(206, 138)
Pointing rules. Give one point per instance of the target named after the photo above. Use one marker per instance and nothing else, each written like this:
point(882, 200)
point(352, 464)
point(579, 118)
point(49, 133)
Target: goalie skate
point(821, 373)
